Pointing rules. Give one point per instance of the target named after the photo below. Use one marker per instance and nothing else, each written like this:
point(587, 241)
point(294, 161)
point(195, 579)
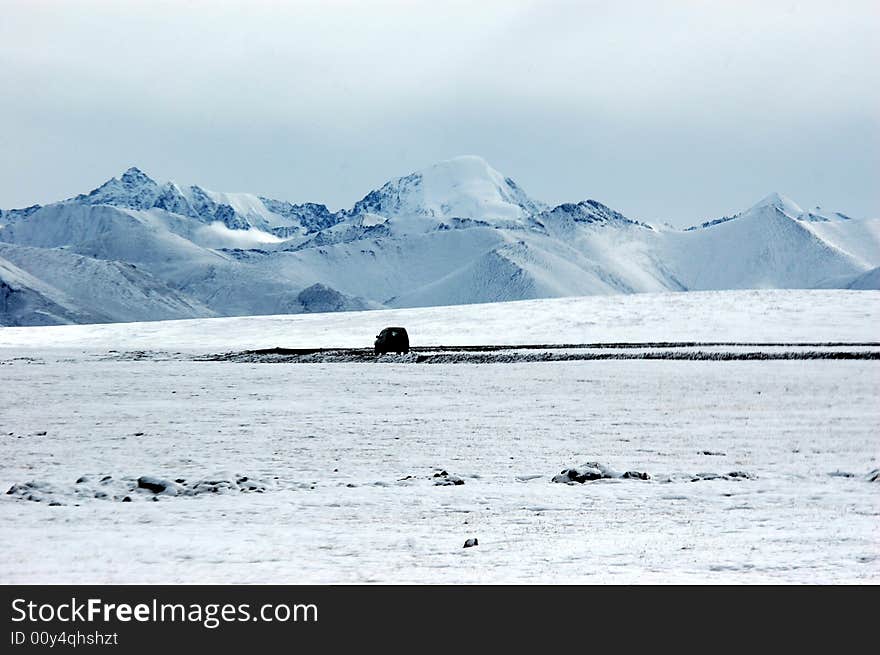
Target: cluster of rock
point(595, 471)
point(733, 475)
point(444, 479)
point(592, 471)
point(127, 489)
point(440, 478)
point(219, 484)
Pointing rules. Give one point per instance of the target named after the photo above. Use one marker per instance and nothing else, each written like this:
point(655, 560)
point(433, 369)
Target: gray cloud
point(668, 111)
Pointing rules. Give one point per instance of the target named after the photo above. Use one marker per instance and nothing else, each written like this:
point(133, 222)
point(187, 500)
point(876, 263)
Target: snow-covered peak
point(778, 201)
point(133, 176)
point(462, 187)
point(588, 211)
point(134, 189)
point(769, 206)
point(788, 207)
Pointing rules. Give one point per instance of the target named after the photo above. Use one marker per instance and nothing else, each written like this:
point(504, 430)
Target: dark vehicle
point(392, 340)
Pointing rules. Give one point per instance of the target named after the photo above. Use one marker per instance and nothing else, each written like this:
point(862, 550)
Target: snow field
point(336, 444)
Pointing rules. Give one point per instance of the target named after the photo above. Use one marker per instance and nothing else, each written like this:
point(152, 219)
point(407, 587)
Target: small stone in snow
point(156, 485)
point(470, 543)
point(581, 475)
point(448, 481)
point(127, 499)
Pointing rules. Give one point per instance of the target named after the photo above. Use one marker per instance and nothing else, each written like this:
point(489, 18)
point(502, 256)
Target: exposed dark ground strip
point(366, 356)
point(489, 358)
point(560, 346)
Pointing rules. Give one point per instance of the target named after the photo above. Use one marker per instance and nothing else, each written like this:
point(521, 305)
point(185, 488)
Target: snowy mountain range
point(457, 232)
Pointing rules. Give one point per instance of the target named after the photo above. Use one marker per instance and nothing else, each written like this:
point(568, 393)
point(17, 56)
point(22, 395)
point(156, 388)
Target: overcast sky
point(677, 111)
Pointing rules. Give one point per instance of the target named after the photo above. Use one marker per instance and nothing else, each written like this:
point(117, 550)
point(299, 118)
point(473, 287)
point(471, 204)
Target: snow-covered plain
point(767, 316)
point(341, 458)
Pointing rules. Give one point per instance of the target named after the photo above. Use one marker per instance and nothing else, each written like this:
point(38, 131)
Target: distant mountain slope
point(457, 232)
point(865, 281)
point(108, 291)
point(766, 246)
point(25, 300)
